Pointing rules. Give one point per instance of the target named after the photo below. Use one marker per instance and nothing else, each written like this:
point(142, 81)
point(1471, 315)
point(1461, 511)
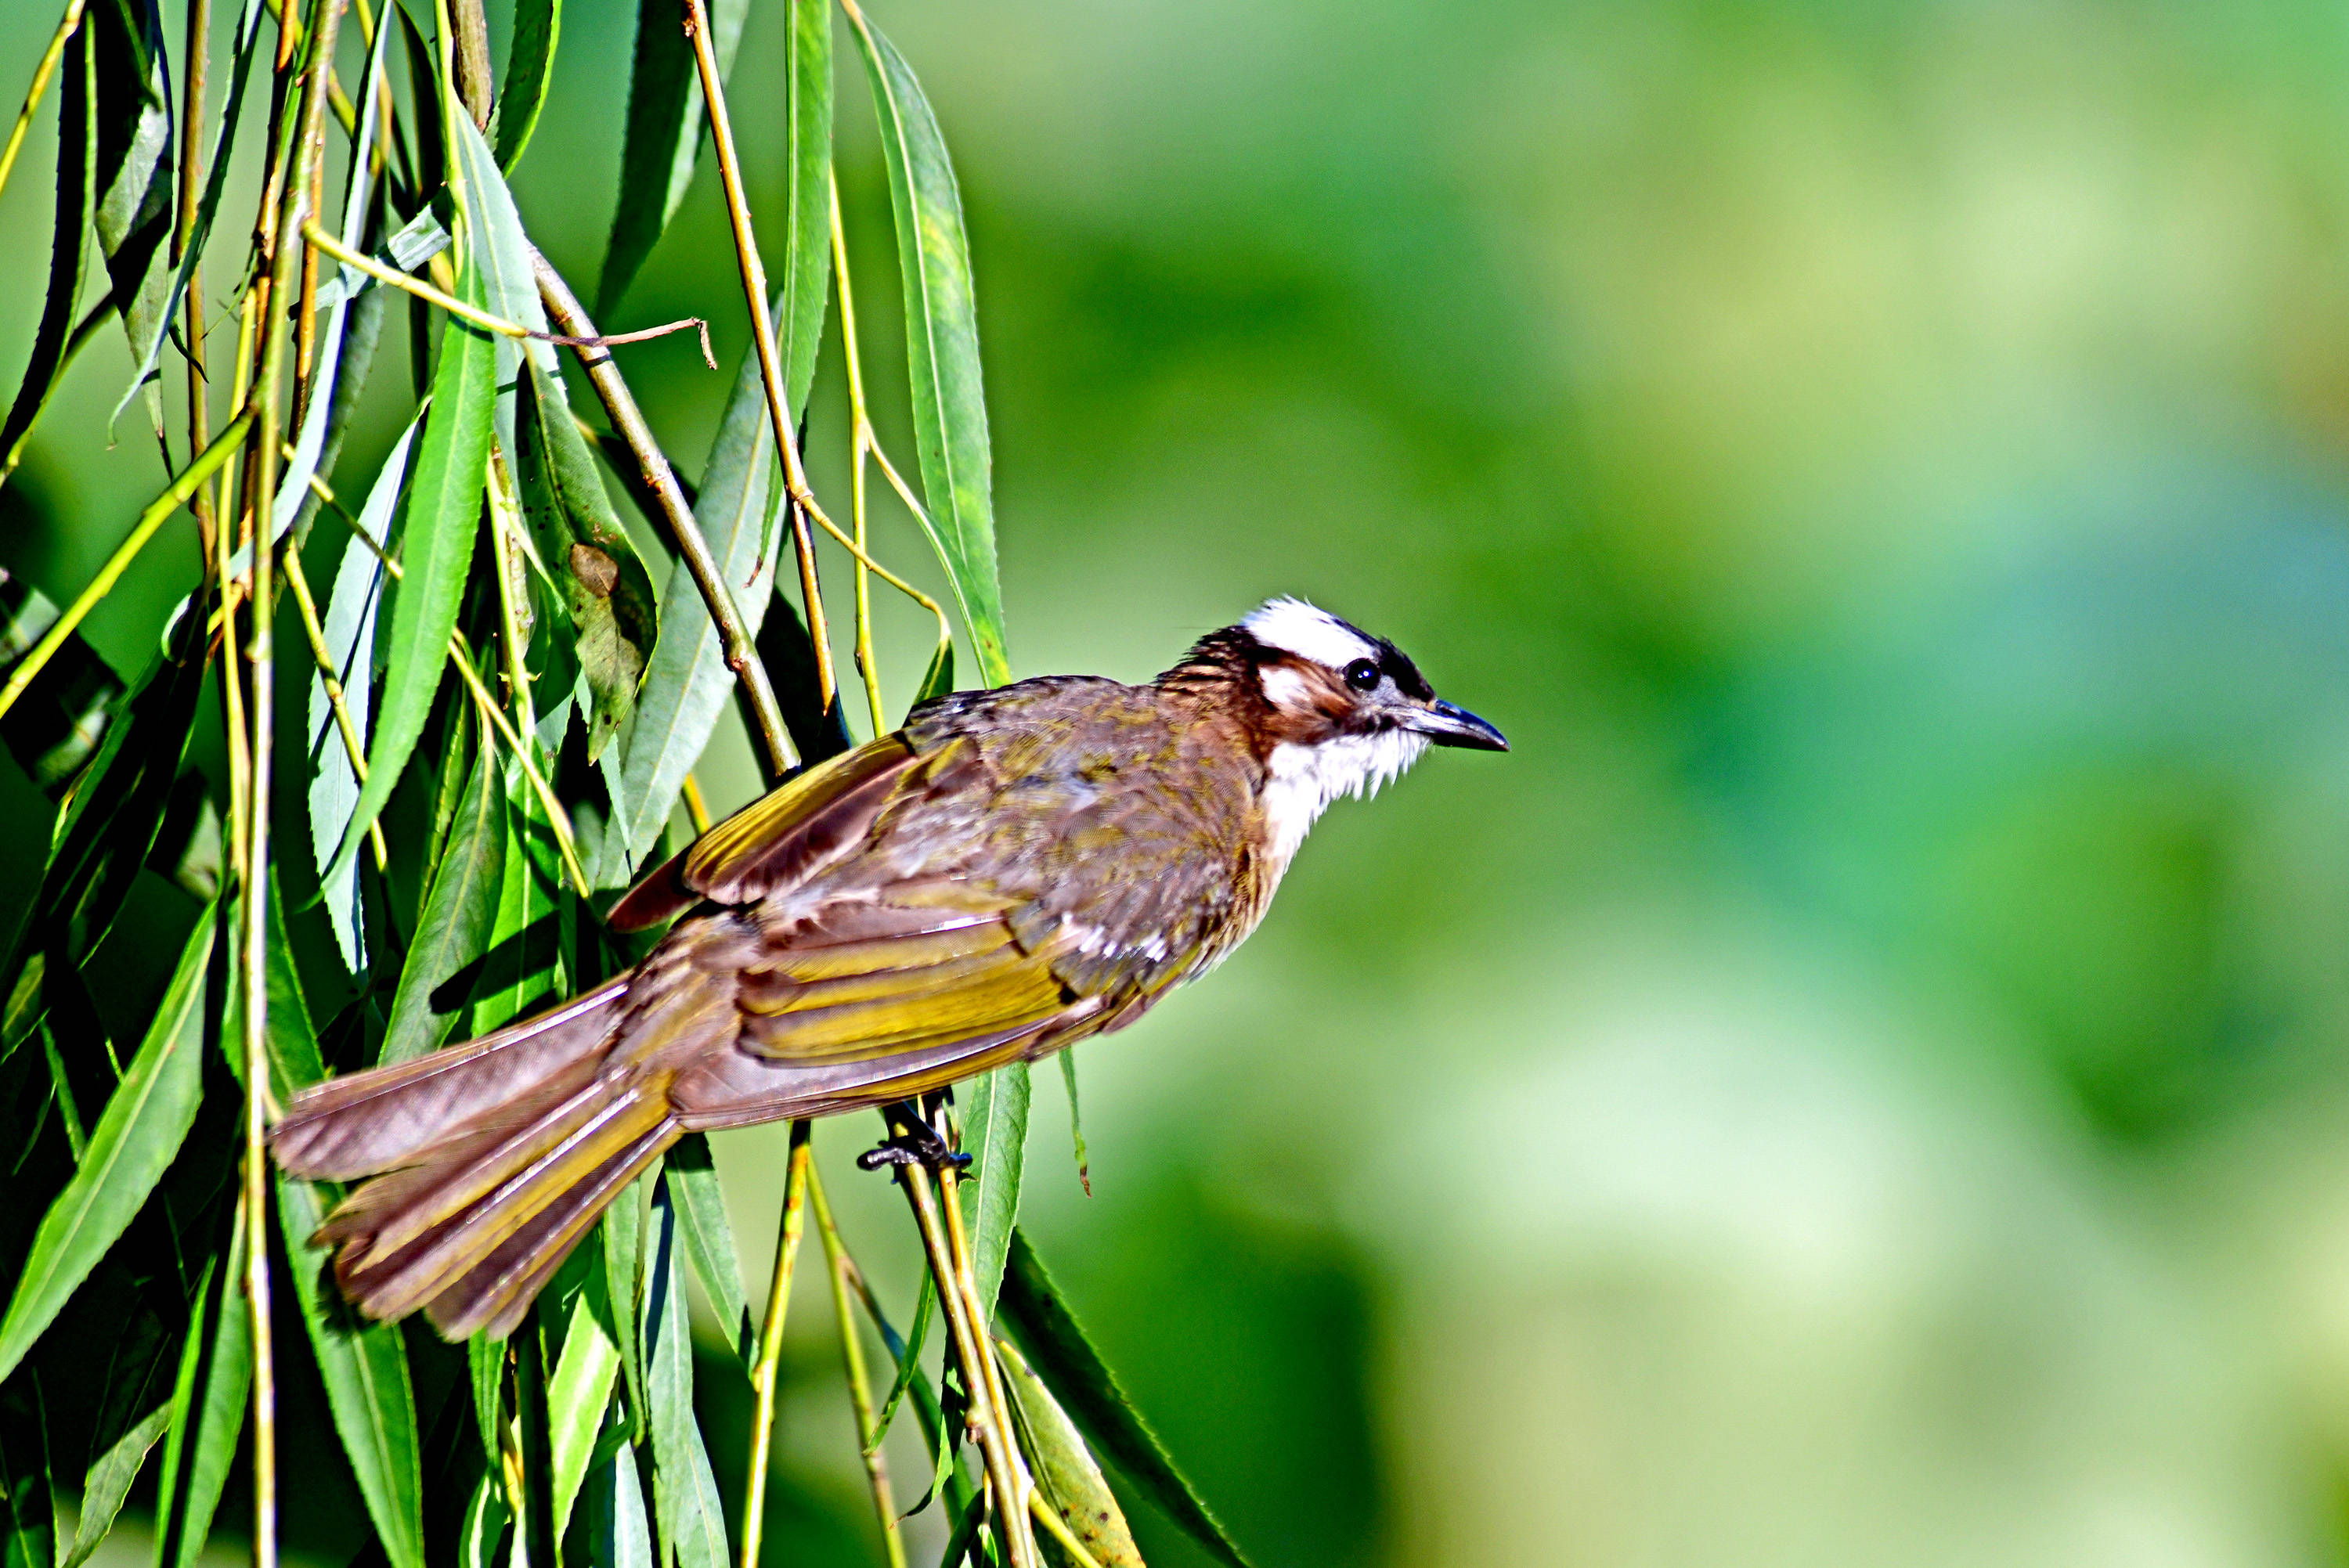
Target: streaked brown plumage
point(1012, 872)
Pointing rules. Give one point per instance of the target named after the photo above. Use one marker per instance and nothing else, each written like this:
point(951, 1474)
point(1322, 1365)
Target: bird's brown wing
point(775, 842)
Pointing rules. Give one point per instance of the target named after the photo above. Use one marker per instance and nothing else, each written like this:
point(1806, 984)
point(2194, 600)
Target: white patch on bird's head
point(1295, 627)
point(1300, 780)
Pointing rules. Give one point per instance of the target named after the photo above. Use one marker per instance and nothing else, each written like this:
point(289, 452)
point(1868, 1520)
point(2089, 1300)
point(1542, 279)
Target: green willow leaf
point(586, 1370)
point(134, 1142)
point(485, 1366)
point(995, 1131)
point(135, 168)
point(208, 1405)
point(807, 237)
point(530, 71)
point(444, 510)
point(1071, 1483)
point(941, 346)
point(55, 725)
point(484, 1528)
point(522, 964)
point(908, 1357)
point(458, 914)
point(108, 1483)
point(364, 1369)
point(684, 1493)
point(324, 386)
point(617, 1534)
point(351, 610)
point(603, 584)
point(664, 133)
point(708, 1238)
point(1076, 1119)
point(937, 680)
point(243, 52)
point(76, 186)
point(1075, 1371)
point(687, 682)
point(623, 1228)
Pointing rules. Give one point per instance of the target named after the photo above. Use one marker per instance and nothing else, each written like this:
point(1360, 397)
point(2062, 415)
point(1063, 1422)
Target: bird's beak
point(1448, 726)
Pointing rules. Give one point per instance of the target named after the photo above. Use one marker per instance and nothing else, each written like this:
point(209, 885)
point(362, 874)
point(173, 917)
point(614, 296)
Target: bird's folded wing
point(775, 841)
point(900, 975)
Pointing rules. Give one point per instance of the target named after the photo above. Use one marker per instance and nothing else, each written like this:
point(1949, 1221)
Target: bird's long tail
point(500, 1154)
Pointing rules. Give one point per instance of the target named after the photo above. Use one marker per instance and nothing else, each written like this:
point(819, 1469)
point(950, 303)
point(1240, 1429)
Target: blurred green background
point(1866, 1080)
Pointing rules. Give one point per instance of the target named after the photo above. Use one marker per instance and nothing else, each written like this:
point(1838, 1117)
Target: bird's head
point(1340, 711)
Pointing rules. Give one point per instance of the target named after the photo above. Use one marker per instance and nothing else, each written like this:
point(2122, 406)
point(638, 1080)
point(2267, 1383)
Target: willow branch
point(41, 75)
point(620, 407)
point(771, 1343)
point(332, 681)
point(1005, 1477)
point(762, 334)
point(838, 1265)
point(158, 513)
point(560, 820)
point(318, 239)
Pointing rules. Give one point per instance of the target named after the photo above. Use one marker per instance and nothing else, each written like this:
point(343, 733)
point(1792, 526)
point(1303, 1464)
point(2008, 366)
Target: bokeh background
point(1866, 1080)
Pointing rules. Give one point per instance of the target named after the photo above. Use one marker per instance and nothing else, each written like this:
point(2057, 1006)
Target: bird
point(1014, 870)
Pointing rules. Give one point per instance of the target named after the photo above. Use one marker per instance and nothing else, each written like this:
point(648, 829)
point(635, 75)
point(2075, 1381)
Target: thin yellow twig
point(41, 75)
point(158, 513)
point(560, 819)
point(332, 684)
point(318, 239)
point(762, 334)
point(771, 1343)
point(859, 1394)
point(697, 809)
point(866, 664)
point(1049, 1517)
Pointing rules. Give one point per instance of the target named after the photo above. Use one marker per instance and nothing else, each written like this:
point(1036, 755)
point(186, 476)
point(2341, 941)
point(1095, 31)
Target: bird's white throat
point(1301, 781)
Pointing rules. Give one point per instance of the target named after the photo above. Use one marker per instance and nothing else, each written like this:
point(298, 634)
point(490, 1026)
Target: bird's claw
point(917, 1145)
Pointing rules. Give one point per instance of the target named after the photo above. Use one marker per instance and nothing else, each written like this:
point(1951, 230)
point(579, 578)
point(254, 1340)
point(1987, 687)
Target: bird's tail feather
point(386, 1117)
point(472, 1229)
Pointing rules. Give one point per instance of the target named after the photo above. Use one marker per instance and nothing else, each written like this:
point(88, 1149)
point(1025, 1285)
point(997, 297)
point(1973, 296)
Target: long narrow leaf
point(623, 1243)
point(522, 964)
point(995, 1131)
point(807, 238)
point(1075, 1371)
point(444, 508)
point(617, 1534)
point(215, 1372)
point(1073, 1484)
point(70, 222)
point(603, 586)
point(530, 71)
point(685, 1493)
point(364, 1369)
point(458, 914)
point(108, 1483)
point(135, 167)
point(243, 52)
point(708, 1238)
point(310, 441)
point(351, 610)
point(664, 133)
point(687, 682)
point(586, 1370)
point(941, 346)
point(134, 1142)
point(55, 725)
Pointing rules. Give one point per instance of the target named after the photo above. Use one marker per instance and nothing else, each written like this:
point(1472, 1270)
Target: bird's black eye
point(1362, 675)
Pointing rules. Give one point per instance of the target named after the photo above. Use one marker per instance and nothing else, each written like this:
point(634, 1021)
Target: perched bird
point(1012, 872)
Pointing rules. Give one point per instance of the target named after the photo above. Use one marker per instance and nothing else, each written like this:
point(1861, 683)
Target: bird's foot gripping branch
point(449, 1086)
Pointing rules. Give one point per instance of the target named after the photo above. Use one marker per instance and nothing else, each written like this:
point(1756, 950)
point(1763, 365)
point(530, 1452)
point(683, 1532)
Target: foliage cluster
point(506, 698)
